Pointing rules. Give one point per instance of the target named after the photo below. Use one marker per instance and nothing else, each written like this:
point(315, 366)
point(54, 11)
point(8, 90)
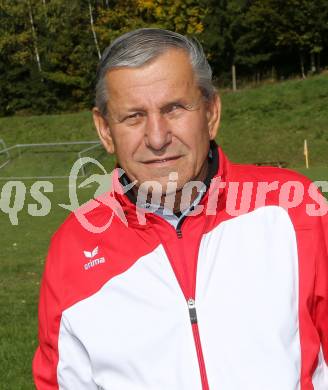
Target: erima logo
point(90, 255)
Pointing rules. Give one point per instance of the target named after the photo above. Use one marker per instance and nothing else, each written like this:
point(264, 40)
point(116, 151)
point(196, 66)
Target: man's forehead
point(172, 69)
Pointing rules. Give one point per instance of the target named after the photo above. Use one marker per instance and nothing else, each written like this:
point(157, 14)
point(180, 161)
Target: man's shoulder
point(254, 173)
point(273, 186)
point(93, 217)
point(78, 238)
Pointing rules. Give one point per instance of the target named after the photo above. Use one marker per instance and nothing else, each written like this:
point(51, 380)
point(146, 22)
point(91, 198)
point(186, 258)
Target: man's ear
point(103, 130)
point(213, 115)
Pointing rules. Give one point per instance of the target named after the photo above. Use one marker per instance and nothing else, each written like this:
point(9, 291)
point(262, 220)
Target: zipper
point(179, 233)
point(192, 310)
point(178, 228)
point(194, 323)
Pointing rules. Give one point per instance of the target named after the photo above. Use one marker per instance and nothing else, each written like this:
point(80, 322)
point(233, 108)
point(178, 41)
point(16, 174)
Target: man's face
point(158, 121)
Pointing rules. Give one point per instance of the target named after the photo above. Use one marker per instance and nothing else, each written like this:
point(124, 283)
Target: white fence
point(7, 152)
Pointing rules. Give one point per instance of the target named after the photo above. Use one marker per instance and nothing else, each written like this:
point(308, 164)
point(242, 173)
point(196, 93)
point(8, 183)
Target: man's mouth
point(162, 160)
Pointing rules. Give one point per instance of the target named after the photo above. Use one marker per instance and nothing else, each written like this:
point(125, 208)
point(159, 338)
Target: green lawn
point(23, 249)
point(316, 173)
point(268, 123)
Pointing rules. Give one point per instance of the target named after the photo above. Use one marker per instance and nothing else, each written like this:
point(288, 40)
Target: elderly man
point(204, 292)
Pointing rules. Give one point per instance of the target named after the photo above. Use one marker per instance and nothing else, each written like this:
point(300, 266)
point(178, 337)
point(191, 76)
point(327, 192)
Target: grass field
point(268, 123)
point(23, 250)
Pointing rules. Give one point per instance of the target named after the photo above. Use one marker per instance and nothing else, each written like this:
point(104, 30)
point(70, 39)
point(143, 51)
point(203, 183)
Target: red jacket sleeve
point(46, 357)
point(61, 361)
point(321, 289)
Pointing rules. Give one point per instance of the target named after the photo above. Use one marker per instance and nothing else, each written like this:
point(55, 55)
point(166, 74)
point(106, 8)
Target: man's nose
point(158, 133)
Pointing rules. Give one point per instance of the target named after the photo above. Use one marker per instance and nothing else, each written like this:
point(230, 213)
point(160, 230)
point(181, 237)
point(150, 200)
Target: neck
point(180, 202)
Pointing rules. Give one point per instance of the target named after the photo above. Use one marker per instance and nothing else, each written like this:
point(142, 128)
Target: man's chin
point(162, 185)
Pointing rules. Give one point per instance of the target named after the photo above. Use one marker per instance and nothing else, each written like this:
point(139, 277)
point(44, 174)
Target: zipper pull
point(192, 310)
point(179, 233)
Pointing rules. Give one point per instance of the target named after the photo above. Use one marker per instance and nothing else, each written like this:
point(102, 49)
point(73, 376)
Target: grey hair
point(136, 48)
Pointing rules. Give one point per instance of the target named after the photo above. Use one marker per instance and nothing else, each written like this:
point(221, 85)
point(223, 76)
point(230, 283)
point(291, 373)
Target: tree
point(34, 36)
point(49, 49)
point(20, 73)
point(93, 29)
point(222, 30)
point(295, 25)
point(255, 45)
point(125, 15)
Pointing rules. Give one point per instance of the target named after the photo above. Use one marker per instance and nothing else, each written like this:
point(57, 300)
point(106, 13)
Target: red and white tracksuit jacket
point(229, 301)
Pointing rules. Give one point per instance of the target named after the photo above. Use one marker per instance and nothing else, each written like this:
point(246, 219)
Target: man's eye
point(135, 115)
point(133, 118)
point(173, 108)
point(176, 107)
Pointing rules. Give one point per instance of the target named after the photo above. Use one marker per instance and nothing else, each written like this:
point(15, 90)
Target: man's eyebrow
point(163, 106)
point(134, 109)
point(182, 101)
point(123, 113)
point(188, 105)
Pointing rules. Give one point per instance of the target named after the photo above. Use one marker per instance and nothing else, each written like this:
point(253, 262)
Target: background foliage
point(49, 49)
